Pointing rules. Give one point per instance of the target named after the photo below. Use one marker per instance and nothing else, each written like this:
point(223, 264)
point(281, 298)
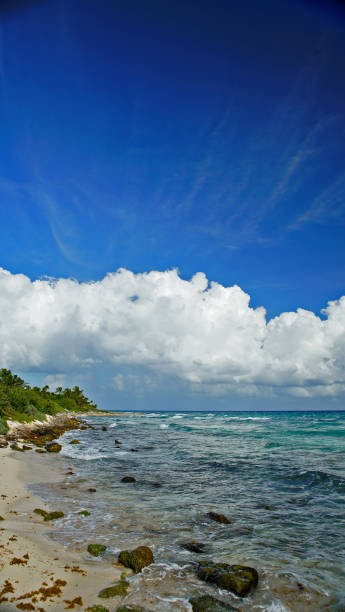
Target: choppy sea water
point(279, 477)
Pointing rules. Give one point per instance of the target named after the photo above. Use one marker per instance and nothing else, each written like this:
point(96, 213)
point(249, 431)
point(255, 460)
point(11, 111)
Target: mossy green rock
point(74, 442)
point(49, 516)
point(97, 609)
point(130, 609)
point(116, 590)
point(54, 447)
point(84, 513)
point(136, 559)
point(238, 579)
point(207, 603)
point(96, 549)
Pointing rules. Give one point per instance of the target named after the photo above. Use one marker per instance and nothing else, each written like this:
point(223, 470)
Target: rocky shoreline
point(42, 438)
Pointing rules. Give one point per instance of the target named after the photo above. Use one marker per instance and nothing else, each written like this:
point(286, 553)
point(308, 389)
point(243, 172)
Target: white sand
point(29, 560)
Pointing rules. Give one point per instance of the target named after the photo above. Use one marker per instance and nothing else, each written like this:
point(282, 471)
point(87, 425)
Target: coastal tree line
point(21, 402)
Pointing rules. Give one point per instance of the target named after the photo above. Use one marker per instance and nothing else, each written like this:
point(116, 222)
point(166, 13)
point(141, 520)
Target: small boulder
point(117, 442)
point(96, 549)
point(49, 516)
point(130, 609)
point(118, 589)
point(195, 547)
point(238, 579)
point(104, 428)
point(92, 490)
point(207, 603)
point(75, 441)
point(53, 447)
point(128, 479)
point(97, 609)
point(219, 518)
point(84, 513)
point(137, 559)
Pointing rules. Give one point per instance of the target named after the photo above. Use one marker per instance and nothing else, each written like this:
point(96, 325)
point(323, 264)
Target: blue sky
point(208, 137)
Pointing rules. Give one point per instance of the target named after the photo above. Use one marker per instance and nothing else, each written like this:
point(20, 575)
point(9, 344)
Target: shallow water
point(279, 478)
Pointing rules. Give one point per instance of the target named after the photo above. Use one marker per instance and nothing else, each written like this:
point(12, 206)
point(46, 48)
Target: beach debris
point(238, 579)
point(128, 479)
point(96, 549)
point(120, 588)
point(75, 441)
point(16, 561)
point(84, 512)
point(136, 559)
point(53, 447)
point(77, 601)
point(207, 603)
point(195, 547)
point(219, 518)
point(49, 516)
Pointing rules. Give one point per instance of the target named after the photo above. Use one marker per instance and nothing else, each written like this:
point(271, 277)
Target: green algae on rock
point(136, 559)
point(53, 447)
point(130, 609)
point(116, 590)
point(75, 441)
point(207, 603)
point(97, 609)
point(238, 579)
point(84, 513)
point(96, 549)
point(49, 516)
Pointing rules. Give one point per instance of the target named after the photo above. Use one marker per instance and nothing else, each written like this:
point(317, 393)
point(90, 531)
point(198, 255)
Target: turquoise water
point(279, 478)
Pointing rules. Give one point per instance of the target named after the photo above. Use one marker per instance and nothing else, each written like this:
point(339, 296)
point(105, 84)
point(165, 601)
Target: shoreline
point(36, 572)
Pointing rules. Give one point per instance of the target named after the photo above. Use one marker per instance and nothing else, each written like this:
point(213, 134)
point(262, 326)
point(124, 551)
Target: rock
point(219, 518)
point(26, 447)
point(136, 559)
point(128, 479)
point(17, 448)
point(104, 428)
point(97, 609)
point(75, 441)
point(120, 588)
point(117, 442)
point(134, 450)
point(195, 547)
point(92, 490)
point(2, 518)
point(96, 549)
point(130, 609)
point(40, 450)
point(207, 603)
point(53, 447)
point(238, 579)
point(84, 513)
point(49, 516)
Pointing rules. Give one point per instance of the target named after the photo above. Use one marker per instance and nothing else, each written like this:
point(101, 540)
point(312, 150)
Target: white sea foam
point(163, 426)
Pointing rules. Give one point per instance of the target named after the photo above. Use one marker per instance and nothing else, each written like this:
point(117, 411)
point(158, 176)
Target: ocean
point(279, 477)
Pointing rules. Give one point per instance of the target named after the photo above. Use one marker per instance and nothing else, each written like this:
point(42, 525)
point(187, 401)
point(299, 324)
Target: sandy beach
point(36, 573)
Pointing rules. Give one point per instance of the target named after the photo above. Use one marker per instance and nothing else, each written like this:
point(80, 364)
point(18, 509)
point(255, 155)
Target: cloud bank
point(204, 334)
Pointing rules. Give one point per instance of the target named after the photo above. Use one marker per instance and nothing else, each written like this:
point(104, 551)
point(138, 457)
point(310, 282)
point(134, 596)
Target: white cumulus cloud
point(205, 334)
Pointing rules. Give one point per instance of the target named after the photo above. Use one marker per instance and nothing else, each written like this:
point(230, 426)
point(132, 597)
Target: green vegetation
point(20, 402)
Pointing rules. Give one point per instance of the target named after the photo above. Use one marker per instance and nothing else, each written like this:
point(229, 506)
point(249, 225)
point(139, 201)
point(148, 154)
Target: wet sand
point(37, 573)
